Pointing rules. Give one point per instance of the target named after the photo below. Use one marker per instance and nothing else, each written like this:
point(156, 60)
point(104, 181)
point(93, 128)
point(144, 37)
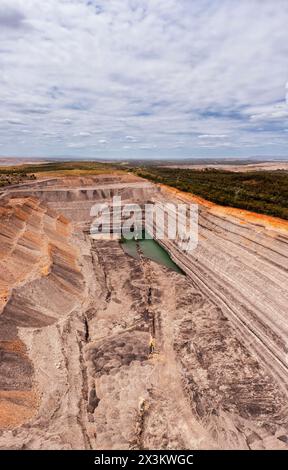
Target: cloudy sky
point(135, 78)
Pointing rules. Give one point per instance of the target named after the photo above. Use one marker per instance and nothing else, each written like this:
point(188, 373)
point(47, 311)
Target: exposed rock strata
point(40, 281)
point(100, 350)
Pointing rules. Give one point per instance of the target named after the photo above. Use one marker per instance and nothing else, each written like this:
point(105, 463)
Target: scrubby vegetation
point(20, 173)
point(265, 192)
point(14, 177)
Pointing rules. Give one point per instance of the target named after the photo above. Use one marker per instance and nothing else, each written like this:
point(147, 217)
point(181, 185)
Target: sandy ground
point(11, 161)
point(271, 166)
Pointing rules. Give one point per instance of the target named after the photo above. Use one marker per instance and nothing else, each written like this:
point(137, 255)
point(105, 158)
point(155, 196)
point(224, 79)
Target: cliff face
point(241, 262)
point(40, 281)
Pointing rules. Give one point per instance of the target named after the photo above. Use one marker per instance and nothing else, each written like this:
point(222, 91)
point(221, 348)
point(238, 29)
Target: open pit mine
point(101, 349)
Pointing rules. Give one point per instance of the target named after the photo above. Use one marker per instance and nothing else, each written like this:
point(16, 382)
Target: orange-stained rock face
point(39, 281)
point(17, 407)
point(244, 215)
point(29, 233)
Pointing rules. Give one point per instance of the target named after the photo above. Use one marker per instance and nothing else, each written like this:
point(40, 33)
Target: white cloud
point(151, 72)
point(272, 112)
point(83, 134)
point(212, 136)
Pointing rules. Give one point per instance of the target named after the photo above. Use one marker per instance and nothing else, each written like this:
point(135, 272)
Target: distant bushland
point(62, 168)
point(265, 192)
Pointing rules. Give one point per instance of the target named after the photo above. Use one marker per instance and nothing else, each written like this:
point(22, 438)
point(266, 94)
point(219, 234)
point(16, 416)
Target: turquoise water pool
point(151, 250)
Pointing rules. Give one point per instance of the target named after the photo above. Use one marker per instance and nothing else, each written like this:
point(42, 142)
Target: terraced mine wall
point(245, 273)
point(36, 260)
point(100, 350)
point(76, 202)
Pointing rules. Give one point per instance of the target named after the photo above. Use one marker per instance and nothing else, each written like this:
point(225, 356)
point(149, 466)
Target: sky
point(144, 78)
